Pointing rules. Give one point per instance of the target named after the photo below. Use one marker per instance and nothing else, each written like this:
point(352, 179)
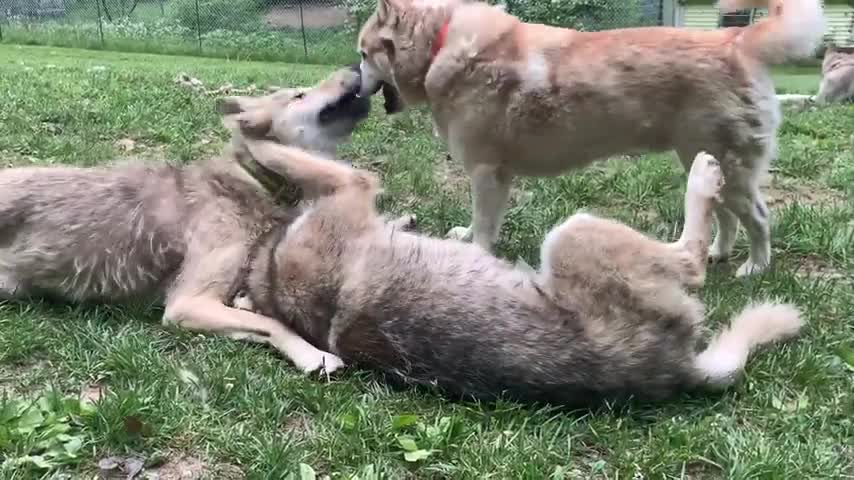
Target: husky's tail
point(793, 29)
point(726, 355)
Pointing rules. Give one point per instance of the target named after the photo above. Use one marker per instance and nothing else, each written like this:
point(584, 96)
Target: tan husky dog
point(512, 98)
point(607, 316)
point(181, 234)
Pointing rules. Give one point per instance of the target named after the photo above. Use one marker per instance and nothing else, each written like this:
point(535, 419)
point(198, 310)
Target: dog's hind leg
point(585, 243)
point(726, 221)
point(742, 197)
point(702, 194)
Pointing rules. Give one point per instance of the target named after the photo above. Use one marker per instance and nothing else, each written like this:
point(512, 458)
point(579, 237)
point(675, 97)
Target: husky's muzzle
point(349, 106)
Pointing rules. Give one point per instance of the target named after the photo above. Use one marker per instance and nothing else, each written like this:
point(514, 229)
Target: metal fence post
point(100, 22)
point(198, 26)
point(668, 13)
point(302, 29)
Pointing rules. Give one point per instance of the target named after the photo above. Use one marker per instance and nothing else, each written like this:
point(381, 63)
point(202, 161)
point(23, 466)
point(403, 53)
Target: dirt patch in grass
point(780, 192)
point(15, 379)
point(815, 268)
point(177, 467)
point(299, 426)
point(451, 176)
point(313, 17)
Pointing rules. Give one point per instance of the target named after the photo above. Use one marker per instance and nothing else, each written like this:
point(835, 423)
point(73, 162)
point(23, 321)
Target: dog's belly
point(550, 142)
point(452, 316)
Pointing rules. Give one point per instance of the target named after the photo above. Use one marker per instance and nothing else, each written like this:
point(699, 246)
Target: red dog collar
point(439, 41)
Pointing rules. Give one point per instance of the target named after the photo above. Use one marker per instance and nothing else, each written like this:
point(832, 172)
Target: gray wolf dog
point(607, 314)
point(179, 234)
point(512, 98)
point(837, 76)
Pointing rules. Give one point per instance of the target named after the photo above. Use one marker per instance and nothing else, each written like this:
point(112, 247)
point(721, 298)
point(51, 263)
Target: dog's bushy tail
point(792, 30)
point(727, 353)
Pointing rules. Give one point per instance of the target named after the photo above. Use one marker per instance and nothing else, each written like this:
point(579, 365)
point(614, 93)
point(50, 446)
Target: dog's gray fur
point(606, 316)
point(177, 233)
point(837, 76)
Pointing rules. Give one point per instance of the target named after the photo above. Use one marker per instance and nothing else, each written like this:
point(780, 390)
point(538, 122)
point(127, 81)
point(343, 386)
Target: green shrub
point(579, 14)
point(359, 10)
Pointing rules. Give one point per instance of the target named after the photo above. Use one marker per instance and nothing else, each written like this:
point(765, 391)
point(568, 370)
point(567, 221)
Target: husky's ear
point(234, 105)
point(253, 124)
point(388, 10)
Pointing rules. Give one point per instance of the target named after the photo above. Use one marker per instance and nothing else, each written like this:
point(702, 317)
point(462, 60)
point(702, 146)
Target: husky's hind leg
point(598, 247)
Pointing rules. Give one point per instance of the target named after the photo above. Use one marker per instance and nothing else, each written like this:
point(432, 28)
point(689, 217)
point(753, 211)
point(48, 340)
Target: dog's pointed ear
point(230, 105)
point(253, 124)
point(388, 9)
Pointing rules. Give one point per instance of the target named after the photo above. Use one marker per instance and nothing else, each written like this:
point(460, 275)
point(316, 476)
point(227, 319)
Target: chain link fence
point(311, 31)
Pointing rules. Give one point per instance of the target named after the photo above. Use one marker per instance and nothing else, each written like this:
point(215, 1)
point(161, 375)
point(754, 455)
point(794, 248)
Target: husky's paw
point(749, 268)
point(717, 256)
point(463, 234)
point(321, 362)
point(706, 178)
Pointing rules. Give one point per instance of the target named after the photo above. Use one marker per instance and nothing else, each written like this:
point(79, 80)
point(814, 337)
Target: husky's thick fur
point(837, 76)
point(512, 98)
point(178, 233)
point(606, 316)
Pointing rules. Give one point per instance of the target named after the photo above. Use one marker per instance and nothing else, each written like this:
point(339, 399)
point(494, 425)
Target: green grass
point(239, 407)
point(241, 35)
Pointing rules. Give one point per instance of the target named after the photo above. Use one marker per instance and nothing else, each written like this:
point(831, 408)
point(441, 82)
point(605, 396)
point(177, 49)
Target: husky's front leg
point(209, 315)
point(196, 303)
point(490, 187)
point(311, 172)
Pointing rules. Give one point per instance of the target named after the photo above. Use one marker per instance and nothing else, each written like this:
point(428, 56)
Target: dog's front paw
point(322, 362)
point(463, 234)
point(749, 268)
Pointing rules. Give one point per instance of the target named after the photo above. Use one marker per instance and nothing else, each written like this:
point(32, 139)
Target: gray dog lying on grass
point(607, 316)
point(837, 76)
point(179, 233)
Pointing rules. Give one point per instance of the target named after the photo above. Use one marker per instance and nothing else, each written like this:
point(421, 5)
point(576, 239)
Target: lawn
point(170, 399)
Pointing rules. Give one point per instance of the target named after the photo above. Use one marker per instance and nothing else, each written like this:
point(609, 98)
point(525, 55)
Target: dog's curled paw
point(322, 362)
point(706, 178)
point(463, 234)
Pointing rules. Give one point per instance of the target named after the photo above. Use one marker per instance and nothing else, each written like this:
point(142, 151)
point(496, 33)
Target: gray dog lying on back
point(606, 316)
point(181, 234)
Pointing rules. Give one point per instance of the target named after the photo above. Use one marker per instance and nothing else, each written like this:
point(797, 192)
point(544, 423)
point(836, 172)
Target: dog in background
point(181, 234)
point(607, 315)
point(837, 76)
point(512, 98)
